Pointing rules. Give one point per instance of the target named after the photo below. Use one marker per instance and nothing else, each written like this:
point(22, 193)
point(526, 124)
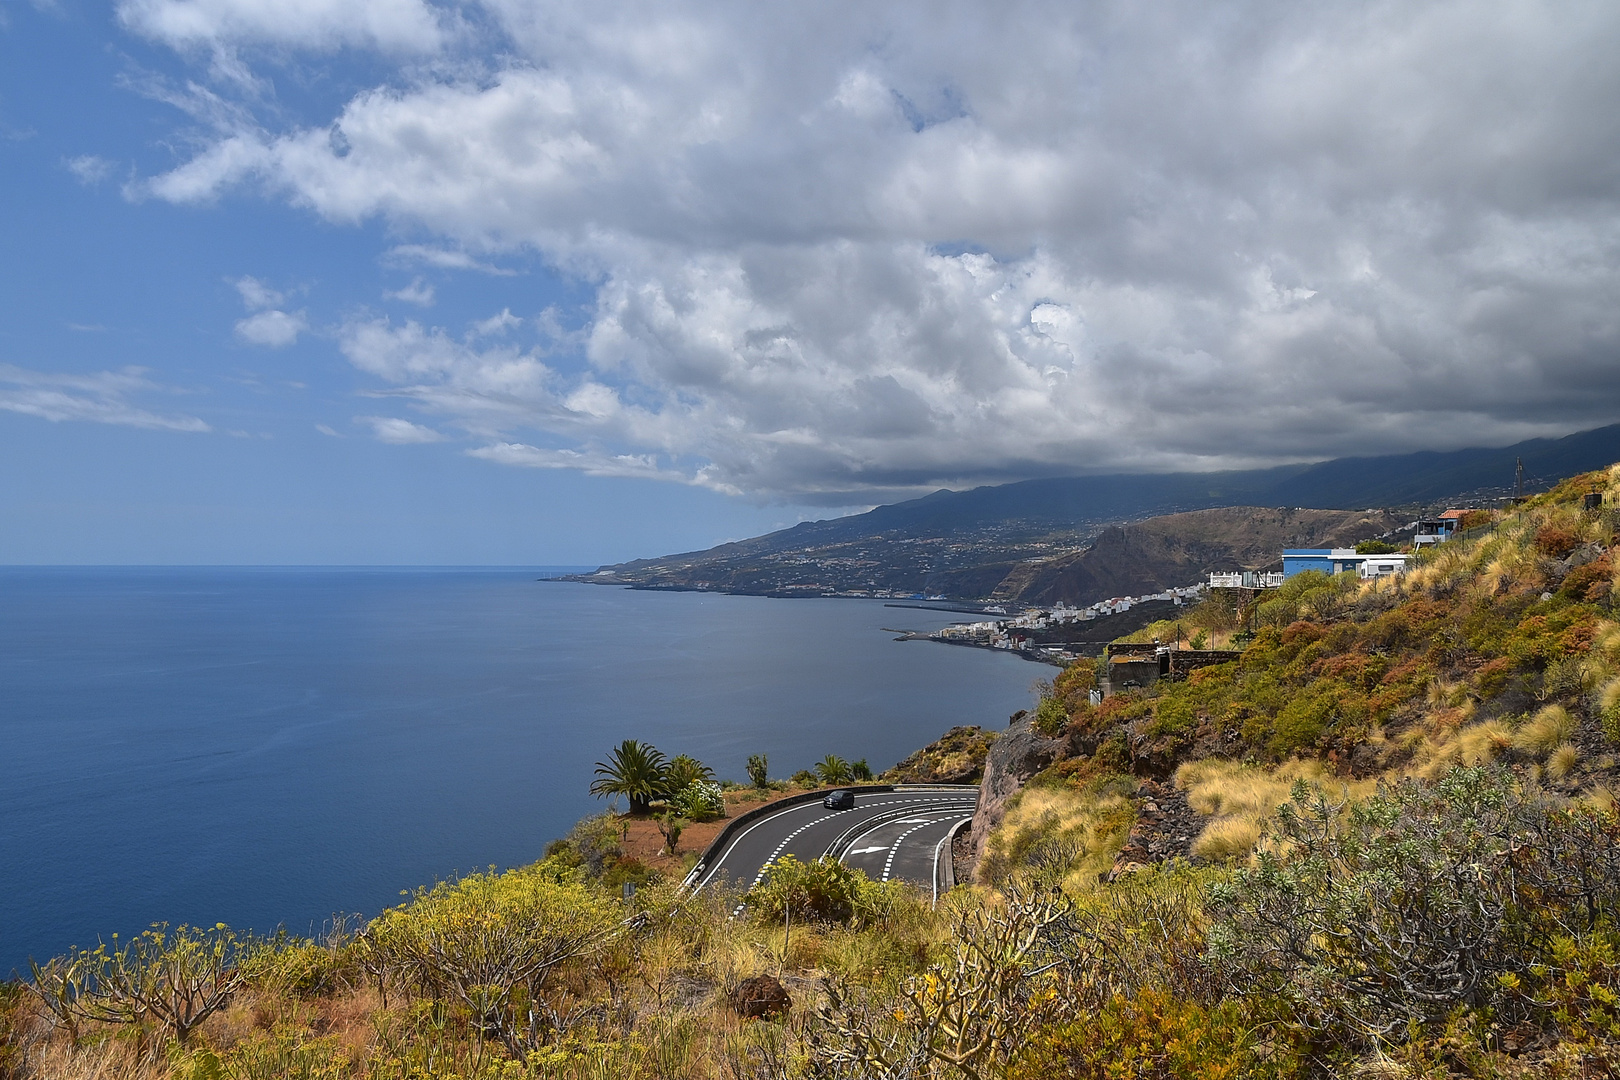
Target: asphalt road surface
point(891, 835)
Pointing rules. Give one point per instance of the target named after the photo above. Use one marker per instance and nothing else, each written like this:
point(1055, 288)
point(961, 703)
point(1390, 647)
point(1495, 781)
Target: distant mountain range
point(982, 543)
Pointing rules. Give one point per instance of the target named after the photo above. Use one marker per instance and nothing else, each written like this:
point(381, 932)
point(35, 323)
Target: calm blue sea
point(269, 746)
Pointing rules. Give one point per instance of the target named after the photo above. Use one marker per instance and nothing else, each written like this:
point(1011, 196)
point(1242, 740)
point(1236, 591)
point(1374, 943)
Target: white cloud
point(406, 26)
point(102, 397)
point(325, 430)
point(269, 326)
point(853, 249)
point(643, 466)
point(90, 170)
point(496, 324)
point(273, 329)
point(391, 429)
point(418, 292)
point(442, 258)
point(256, 294)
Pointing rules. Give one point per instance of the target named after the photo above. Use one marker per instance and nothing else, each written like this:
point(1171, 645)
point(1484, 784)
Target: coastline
point(1042, 657)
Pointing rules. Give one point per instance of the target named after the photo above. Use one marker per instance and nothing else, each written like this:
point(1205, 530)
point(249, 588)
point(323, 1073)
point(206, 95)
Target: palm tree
point(683, 770)
point(636, 770)
point(833, 769)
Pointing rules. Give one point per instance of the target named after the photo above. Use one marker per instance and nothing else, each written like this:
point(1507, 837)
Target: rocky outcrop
point(1017, 754)
point(957, 757)
point(1166, 826)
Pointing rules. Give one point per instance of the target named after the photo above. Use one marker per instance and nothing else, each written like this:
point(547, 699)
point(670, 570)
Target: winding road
point(899, 835)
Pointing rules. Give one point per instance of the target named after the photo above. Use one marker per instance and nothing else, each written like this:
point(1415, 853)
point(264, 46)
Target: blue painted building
point(1340, 561)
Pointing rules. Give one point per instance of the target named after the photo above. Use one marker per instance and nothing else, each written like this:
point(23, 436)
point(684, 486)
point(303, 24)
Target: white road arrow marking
point(864, 850)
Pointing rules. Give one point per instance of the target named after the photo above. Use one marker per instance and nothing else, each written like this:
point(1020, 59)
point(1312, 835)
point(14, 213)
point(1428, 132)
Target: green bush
point(487, 942)
point(757, 771)
point(299, 967)
point(1153, 1036)
point(283, 1053)
point(1051, 717)
point(1582, 985)
point(822, 890)
point(1413, 903)
point(178, 978)
point(701, 800)
point(593, 844)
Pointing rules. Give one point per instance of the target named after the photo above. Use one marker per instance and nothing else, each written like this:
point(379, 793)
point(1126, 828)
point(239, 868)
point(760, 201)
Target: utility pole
point(1518, 481)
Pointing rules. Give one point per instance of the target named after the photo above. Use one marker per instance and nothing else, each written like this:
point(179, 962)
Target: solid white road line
point(938, 847)
point(708, 875)
point(876, 825)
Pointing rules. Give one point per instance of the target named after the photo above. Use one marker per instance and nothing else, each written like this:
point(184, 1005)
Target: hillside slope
point(964, 544)
point(1500, 649)
point(1180, 549)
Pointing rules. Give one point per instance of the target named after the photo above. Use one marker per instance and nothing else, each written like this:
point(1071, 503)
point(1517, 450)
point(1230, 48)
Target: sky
point(533, 282)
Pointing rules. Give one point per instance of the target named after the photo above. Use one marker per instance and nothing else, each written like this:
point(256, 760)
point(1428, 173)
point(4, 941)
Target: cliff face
point(1017, 754)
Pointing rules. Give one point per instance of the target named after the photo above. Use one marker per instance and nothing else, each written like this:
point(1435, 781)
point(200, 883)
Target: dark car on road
point(839, 800)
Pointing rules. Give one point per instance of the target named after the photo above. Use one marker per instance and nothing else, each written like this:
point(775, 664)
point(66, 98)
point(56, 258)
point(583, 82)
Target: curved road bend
point(891, 835)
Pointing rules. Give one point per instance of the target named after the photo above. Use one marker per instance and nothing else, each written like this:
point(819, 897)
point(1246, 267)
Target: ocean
point(268, 746)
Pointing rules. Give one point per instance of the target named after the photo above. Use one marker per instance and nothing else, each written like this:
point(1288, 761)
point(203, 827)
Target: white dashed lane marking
point(888, 864)
point(788, 839)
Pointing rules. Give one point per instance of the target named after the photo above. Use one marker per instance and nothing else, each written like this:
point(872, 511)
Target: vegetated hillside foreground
point(1381, 843)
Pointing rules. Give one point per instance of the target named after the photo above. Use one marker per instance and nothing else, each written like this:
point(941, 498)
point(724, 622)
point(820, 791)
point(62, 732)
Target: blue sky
point(97, 282)
point(404, 281)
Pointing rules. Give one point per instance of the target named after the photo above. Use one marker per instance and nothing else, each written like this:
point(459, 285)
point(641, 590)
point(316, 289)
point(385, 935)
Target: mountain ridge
point(965, 543)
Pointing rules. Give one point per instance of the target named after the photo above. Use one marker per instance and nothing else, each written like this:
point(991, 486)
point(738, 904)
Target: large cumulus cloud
point(846, 250)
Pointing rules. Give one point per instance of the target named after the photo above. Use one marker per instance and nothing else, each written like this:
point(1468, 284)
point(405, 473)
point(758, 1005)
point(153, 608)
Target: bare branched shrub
point(178, 979)
point(970, 1013)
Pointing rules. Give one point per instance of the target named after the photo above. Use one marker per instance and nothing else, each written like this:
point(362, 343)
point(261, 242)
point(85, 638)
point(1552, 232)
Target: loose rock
point(759, 997)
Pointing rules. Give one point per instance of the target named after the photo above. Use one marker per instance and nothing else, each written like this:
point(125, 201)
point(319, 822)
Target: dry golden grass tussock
point(1545, 732)
point(1228, 838)
point(1380, 585)
point(111, 1060)
point(1601, 797)
point(1436, 751)
point(1216, 787)
point(1561, 762)
point(1092, 826)
point(1609, 696)
point(1445, 694)
point(1511, 565)
point(1606, 641)
point(1241, 797)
